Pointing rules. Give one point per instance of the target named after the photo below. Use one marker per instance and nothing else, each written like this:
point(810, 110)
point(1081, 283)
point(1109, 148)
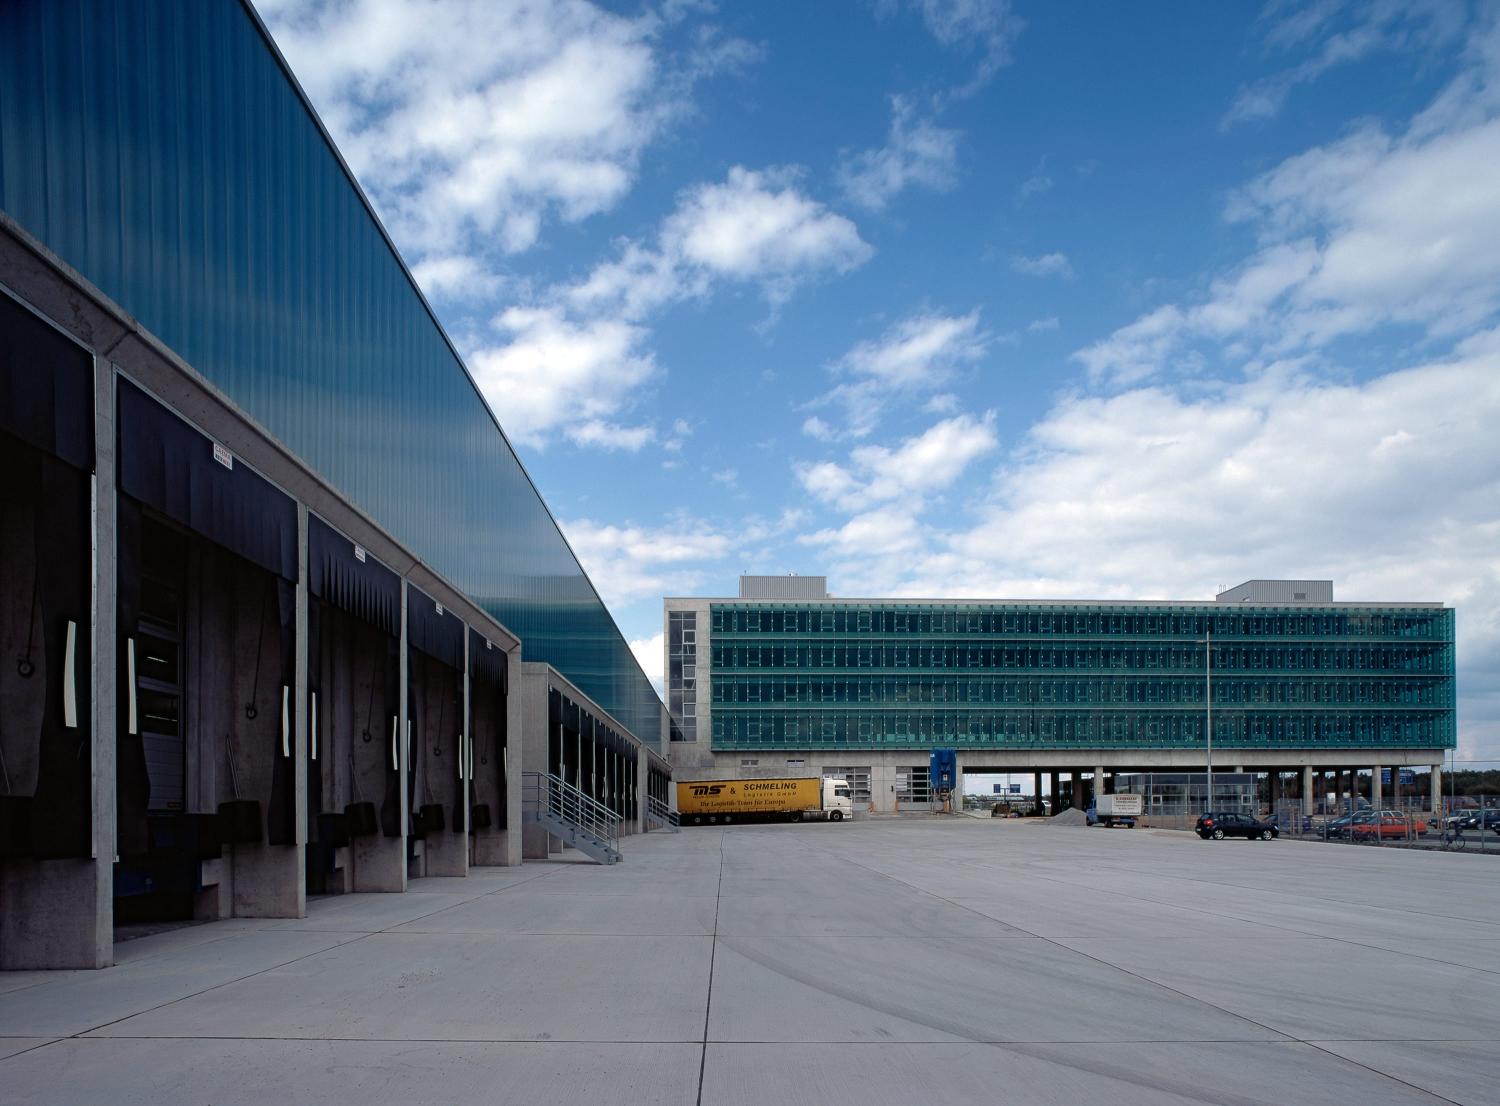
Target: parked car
point(1220, 826)
point(1474, 820)
point(1389, 823)
point(1339, 827)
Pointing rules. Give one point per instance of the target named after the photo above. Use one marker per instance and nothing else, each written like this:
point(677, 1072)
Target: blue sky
point(963, 297)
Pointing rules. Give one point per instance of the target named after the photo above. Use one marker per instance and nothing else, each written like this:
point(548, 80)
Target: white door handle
point(313, 725)
point(70, 678)
point(132, 723)
point(286, 721)
point(395, 743)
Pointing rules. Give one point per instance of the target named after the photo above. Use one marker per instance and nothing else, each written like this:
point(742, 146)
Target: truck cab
point(838, 800)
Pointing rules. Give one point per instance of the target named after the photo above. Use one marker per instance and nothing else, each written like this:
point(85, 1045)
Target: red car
point(1388, 823)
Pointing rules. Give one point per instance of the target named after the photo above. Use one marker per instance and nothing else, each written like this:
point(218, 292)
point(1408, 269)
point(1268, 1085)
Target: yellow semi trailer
point(792, 799)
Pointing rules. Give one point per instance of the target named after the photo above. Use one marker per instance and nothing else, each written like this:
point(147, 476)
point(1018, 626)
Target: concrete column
point(1377, 789)
point(60, 913)
point(958, 789)
point(531, 738)
point(513, 757)
point(1099, 785)
point(1056, 795)
point(642, 785)
point(1307, 789)
point(1036, 791)
point(1436, 783)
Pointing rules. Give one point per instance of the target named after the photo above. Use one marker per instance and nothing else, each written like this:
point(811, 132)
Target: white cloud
point(1138, 350)
point(472, 123)
point(1037, 326)
point(917, 152)
point(986, 27)
point(916, 354)
point(1045, 265)
point(1363, 29)
point(1370, 230)
point(576, 361)
point(471, 119)
point(598, 432)
point(650, 654)
point(455, 276)
point(918, 467)
point(918, 350)
point(628, 563)
point(559, 377)
point(1035, 185)
point(755, 226)
point(815, 427)
point(885, 533)
point(758, 226)
point(682, 430)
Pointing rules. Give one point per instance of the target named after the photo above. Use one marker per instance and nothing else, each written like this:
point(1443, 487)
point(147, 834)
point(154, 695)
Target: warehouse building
point(785, 679)
point(269, 568)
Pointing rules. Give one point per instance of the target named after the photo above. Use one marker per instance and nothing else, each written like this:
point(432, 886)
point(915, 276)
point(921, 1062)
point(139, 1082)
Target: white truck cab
point(838, 800)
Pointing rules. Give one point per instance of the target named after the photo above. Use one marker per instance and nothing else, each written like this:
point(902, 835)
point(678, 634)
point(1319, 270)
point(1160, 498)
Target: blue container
point(942, 769)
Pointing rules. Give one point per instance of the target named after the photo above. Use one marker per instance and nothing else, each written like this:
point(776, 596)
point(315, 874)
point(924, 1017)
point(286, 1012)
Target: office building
point(786, 678)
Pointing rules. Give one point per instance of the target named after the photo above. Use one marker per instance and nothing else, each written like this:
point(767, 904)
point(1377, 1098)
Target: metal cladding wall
point(161, 150)
point(876, 675)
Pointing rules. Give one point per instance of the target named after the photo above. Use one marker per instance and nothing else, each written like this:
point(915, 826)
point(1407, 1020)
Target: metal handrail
point(542, 790)
point(659, 810)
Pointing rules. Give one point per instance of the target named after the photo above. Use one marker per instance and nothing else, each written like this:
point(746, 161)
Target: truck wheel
point(836, 816)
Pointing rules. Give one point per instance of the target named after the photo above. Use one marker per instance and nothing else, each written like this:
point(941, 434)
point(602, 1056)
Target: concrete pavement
point(869, 962)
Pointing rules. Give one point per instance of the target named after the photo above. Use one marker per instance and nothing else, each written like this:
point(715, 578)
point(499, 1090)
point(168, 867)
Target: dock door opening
point(207, 564)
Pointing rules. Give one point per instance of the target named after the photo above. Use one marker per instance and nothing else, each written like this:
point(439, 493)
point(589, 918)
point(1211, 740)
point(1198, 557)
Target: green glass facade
point(1074, 675)
point(162, 150)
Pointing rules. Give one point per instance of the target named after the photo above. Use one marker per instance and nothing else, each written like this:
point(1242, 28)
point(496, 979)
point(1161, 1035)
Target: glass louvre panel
point(1069, 675)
